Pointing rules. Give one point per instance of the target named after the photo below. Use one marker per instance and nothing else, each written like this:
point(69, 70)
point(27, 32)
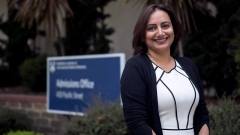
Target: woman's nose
point(160, 32)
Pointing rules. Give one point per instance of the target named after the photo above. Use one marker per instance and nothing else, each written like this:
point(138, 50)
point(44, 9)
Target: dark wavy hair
point(138, 45)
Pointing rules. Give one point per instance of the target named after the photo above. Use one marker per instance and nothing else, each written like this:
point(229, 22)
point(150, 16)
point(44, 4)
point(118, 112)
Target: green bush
point(225, 118)
point(107, 119)
point(12, 120)
point(100, 119)
point(23, 133)
point(33, 73)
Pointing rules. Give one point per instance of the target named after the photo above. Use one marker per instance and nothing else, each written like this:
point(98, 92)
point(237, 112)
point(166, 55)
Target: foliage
point(225, 118)
point(33, 73)
point(210, 47)
point(86, 31)
point(107, 119)
point(22, 133)
point(12, 120)
point(234, 42)
point(16, 50)
point(100, 119)
point(41, 12)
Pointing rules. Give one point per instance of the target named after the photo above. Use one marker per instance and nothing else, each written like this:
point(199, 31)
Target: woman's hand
point(204, 130)
point(153, 133)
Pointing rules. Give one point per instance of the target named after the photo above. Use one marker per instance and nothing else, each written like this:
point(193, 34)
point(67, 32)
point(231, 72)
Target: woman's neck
point(163, 60)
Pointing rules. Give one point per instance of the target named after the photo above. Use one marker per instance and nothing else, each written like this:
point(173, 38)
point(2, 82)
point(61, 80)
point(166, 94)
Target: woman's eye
point(151, 28)
point(165, 26)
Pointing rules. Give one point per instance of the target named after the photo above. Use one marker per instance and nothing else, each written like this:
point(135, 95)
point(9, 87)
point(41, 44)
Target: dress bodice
point(177, 100)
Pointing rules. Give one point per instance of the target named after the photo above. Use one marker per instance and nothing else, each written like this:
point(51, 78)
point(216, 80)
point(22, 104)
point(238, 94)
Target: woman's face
point(159, 32)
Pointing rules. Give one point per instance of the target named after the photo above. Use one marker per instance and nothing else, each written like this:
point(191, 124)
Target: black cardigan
point(139, 96)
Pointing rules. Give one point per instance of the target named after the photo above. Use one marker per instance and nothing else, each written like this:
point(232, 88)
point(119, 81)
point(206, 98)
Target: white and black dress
point(177, 100)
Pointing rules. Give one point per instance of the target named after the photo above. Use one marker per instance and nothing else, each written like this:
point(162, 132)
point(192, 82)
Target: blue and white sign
point(72, 80)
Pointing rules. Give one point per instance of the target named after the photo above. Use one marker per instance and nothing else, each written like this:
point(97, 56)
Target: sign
point(73, 80)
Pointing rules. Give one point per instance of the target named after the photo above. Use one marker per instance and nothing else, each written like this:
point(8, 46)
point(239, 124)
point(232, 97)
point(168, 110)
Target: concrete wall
point(4, 16)
point(3, 10)
point(123, 19)
point(35, 107)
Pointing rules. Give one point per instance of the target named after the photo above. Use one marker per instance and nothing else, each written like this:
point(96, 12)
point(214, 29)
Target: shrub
point(13, 120)
point(22, 133)
point(33, 73)
point(107, 119)
point(99, 119)
point(225, 118)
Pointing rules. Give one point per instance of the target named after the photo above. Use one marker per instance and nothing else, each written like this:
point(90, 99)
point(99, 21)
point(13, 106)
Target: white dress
point(177, 100)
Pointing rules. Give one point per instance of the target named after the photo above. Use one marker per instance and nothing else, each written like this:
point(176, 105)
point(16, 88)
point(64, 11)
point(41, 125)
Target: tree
point(215, 47)
point(16, 50)
point(86, 31)
point(41, 12)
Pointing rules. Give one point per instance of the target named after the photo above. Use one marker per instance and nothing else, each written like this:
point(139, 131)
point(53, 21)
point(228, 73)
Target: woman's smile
point(160, 40)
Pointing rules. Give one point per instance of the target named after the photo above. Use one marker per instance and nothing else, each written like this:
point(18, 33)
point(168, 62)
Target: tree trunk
point(180, 48)
point(61, 45)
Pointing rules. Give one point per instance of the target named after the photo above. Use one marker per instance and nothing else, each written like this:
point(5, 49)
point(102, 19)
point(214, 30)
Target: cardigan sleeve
point(134, 98)
point(201, 116)
point(203, 113)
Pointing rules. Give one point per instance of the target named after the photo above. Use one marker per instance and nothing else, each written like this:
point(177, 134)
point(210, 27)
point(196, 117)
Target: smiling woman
point(161, 93)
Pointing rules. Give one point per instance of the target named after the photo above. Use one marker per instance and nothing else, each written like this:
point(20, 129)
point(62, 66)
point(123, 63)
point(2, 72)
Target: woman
point(161, 94)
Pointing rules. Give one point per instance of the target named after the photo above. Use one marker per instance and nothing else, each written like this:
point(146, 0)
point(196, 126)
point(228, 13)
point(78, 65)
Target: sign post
point(73, 80)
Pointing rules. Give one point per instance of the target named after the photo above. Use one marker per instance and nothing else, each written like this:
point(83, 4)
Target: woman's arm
point(134, 99)
point(204, 114)
point(204, 130)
